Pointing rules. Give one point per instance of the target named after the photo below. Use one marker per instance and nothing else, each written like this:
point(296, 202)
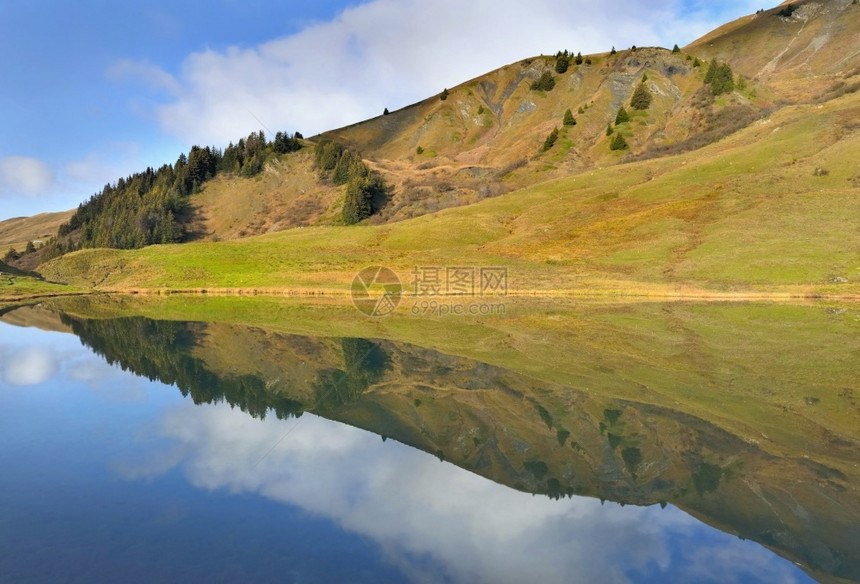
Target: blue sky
point(94, 90)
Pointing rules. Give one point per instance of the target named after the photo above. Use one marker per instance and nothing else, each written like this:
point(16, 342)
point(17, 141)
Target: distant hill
point(16, 232)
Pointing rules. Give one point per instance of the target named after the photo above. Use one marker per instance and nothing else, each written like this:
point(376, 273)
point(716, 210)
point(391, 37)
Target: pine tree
point(613, 51)
point(550, 140)
point(618, 143)
point(609, 130)
point(444, 95)
point(622, 116)
point(569, 120)
point(578, 59)
point(723, 81)
point(580, 110)
point(641, 99)
point(545, 83)
point(385, 112)
point(712, 70)
point(562, 62)
point(676, 49)
point(355, 205)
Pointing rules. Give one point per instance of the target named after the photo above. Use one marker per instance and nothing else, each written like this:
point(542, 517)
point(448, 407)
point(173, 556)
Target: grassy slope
point(286, 194)
point(746, 213)
point(15, 288)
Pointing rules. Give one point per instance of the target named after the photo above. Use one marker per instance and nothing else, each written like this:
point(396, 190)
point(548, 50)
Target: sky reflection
point(102, 456)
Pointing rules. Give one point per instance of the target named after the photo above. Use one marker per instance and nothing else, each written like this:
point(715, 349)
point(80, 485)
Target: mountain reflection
point(529, 434)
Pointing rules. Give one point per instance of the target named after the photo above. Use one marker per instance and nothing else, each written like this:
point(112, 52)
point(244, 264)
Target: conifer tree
point(641, 99)
point(618, 143)
point(723, 81)
point(550, 140)
point(622, 116)
point(545, 83)
point(712, 70)
point(569, 120)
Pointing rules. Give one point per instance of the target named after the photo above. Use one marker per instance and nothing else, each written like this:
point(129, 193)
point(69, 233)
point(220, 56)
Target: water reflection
point(436, 522)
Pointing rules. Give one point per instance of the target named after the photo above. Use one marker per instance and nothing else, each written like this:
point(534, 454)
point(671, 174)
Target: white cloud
point(389, 53)
point(22, 175)
point(29, 366)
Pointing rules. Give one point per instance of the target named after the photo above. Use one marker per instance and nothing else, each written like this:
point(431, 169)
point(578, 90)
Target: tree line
point(151, 207)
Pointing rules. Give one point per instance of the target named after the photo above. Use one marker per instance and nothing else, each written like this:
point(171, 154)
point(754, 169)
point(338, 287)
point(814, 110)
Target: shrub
point(613, 51)
point(444, 95)
point(787, 11)
point(419, 150)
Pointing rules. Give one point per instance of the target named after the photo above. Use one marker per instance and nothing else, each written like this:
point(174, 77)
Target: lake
point(266, 440)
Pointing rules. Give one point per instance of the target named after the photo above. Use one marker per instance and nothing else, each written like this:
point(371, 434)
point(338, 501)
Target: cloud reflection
point(28, 366)
point(418, 508)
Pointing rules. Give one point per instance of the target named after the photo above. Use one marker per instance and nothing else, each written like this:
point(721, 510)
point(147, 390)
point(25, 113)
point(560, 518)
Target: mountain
point(712, 190)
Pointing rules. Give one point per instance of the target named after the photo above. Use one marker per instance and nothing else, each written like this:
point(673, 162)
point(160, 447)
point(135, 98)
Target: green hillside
point(772, 208)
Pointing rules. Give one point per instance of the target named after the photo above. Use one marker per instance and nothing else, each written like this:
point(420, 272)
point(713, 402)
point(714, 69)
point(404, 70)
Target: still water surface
point(108, 476)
